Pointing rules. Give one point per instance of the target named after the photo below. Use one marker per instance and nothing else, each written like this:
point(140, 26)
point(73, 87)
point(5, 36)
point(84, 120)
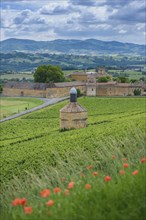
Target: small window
point(22, 93)
point(92, 89)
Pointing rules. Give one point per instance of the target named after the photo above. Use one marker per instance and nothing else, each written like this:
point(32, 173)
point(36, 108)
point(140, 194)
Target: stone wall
point(12, 92)
point(62, 91)
point(48, 93)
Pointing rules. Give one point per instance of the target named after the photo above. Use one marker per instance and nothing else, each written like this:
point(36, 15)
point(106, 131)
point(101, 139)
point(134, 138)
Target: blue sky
point(110, 20)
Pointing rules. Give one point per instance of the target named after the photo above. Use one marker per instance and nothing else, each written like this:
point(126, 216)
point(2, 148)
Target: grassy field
point(11, 106)
point(36, 155)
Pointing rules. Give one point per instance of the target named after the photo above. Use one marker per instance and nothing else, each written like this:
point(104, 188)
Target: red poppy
point(125, 165)
point(50, 203)
point(89, 167)
point(95, 173)
point(57, 190)
point(87, 186)
point(45, 193)
point(23, 201)
point(114, 157)
point(70, 185)
point(122, 172)
point(66, 192)
point(16, 202)
point(28, 210)
point(107, 178)
point(143, 160)
point(135, 172)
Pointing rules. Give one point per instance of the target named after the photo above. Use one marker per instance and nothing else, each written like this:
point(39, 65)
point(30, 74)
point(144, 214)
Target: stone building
point(73, 115)
point(83, 76)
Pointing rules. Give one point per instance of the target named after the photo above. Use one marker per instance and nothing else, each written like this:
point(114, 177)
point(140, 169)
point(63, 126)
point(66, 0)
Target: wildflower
point(23, 202)
point(122, 172)
point(107, 178)
point(66, 192)
point(57, 190)
point(114, 157)
point(16, 202)
point(87, 186)
point(45, 193)
point(135, 172)
point(125, 165)
point(50, 203)
point(143, 160)
point(95, 173)
point(71, 185)
point(89, 167)
point(28, 210)
point(63, 179)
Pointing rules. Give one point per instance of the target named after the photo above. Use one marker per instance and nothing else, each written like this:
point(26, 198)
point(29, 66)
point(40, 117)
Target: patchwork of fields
point(29, 142)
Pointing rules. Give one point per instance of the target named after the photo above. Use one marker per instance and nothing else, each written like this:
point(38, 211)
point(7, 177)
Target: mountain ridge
point(72, 46)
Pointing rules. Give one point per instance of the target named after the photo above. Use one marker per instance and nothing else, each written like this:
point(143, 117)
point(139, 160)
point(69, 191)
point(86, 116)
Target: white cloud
point(79, 19)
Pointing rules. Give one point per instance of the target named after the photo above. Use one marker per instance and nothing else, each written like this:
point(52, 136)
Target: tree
point(104, 79)
point(122, 79)
point(45, 74)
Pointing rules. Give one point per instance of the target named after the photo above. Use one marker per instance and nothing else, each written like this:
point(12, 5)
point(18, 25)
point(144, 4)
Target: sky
point(45, 20)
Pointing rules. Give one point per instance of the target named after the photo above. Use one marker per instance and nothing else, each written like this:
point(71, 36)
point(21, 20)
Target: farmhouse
point(83, 76)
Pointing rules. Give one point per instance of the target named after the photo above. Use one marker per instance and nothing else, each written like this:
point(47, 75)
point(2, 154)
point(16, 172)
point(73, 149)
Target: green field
point(11, 106)
point(35, 155)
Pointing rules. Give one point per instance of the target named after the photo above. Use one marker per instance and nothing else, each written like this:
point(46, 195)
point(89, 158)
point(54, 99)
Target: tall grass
point(124, 197)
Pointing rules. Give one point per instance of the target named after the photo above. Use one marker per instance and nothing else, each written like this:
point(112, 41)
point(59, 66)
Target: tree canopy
point(45, 74)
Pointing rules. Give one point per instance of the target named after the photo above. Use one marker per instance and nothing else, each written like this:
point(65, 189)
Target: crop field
point(11, 106)
point(34, 150)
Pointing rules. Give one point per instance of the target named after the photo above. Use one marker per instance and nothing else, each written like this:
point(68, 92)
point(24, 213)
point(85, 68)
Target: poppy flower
point(122, 172)
point(114, 157)
point(107, 178)
point(28, 210)
point(57, 190)
point(87, 186)
point(125, 165)
point(95, 173)
point(143, 160)
point(16, 202)
point(50, 203)
point(135, 172)
point(45, 193)
point(66, 192)
point(23, 202)
point(19, 201)
point(89, 167)
point(70, 185)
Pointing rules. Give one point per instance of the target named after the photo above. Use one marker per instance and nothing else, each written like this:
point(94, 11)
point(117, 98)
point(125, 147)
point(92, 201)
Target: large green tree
point(45, 74)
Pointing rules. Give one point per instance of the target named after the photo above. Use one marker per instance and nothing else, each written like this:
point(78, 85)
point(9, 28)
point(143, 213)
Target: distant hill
point(85, 47)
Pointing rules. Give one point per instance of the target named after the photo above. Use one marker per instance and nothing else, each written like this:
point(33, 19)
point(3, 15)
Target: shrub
point(137, 92)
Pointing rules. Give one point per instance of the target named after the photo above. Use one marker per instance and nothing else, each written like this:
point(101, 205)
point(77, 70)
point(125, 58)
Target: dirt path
point(46, 103)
